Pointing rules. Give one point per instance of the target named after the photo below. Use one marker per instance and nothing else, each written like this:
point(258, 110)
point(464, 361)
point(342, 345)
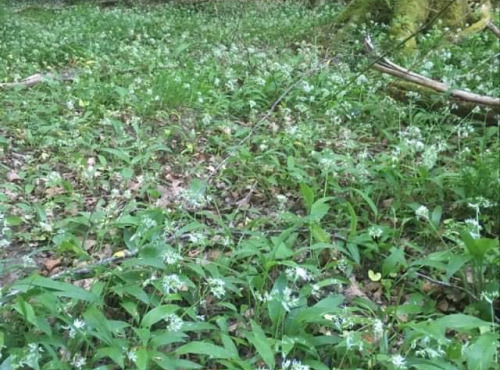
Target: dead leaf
point(54, 191)
point(169, 193)
point(443, 305)
point(214, 254)
point(85, 283)
point(353, 291)
point(88, 244)
point(50, 263)
point(13, 176)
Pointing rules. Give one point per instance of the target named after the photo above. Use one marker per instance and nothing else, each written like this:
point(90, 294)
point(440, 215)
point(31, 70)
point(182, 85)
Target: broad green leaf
point(480, 354)
point(171, 363)
point(308, 195)
point(320, 235)
point(455, 264)
point(113, 353)
point(205, 348)
point(157, 314)
point(319, 209)
point(143, 358)
point(165, 337)
point(478, 247)
point(96, 320)
point(353, 222)
point(275, 307)
point(435, 217)
point(394, 262)
point(460, 322)
point(262, 344)
point(60, 289)
point(368, 201)
point(124, 156)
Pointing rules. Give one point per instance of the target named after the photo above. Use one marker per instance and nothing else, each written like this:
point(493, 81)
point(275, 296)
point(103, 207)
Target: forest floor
point(203, 189)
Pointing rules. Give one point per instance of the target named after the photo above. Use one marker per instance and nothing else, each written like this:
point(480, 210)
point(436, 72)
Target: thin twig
point(386, 66)
point(447, 285)
point(493, 29)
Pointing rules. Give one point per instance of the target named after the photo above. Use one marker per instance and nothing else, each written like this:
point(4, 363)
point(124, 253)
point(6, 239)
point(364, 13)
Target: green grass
point(345, 230)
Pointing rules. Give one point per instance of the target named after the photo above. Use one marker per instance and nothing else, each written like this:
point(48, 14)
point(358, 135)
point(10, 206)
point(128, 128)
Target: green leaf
point(315, 313)
point(96, 320)
point(480, 355)
point(319, 209)
point(368, 201)
point(455, 264)
point(435, 217)
point(394, 262)
point(60, 289)
point(157, 314)
point(353, 221)
point(124, 156)
point(143, 358)
point(274, 307)
point(478, 247)
point(308, 195)
point(262, 344)
point(460, 322)
point(205, 348)
point(320, 235)
point(13, 221)
point(113, 353)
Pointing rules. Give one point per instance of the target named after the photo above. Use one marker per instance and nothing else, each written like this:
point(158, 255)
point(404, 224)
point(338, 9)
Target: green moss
point(455, 14)
point(409, 15)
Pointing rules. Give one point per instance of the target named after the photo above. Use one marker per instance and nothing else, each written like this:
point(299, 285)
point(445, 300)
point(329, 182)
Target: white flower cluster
point(293, 365)
point(171, 257)
point(172, 283)
point(4, 230)
point(175, 323)
point(217, 287)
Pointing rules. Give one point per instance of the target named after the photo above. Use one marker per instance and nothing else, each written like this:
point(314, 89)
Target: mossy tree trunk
point(406, 17)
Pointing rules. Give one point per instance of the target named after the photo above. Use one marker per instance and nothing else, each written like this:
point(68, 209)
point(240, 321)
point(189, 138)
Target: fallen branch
point(493, 29)
point(388, 67)
point(38, 78)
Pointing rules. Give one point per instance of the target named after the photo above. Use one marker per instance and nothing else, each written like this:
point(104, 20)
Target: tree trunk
point(406, 17)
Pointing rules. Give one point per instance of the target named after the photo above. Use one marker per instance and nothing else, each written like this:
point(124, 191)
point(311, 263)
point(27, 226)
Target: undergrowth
point(343, 230)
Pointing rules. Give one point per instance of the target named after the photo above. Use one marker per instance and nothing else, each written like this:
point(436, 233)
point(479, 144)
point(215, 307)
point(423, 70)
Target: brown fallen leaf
point(85, 283)
point(13, 176)
point(353, 290)
point(50, 263)
point(54, 191)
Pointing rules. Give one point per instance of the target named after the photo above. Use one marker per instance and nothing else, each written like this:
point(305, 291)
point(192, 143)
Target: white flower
point(316, 290)
point(490, 296)
point(306, 87)
point(217, 287)
point(398, 361)
point(79, 324)
point(429, 157)
point(293, 365)
point(78, 361)
point(298, 273)
point(132, 356)
point(171, 283)
point(149, 223)
point(171, 257)
point(378, 327)
point(375, 232)
point(422, 212)
point(174, 322)
point(288, 300)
